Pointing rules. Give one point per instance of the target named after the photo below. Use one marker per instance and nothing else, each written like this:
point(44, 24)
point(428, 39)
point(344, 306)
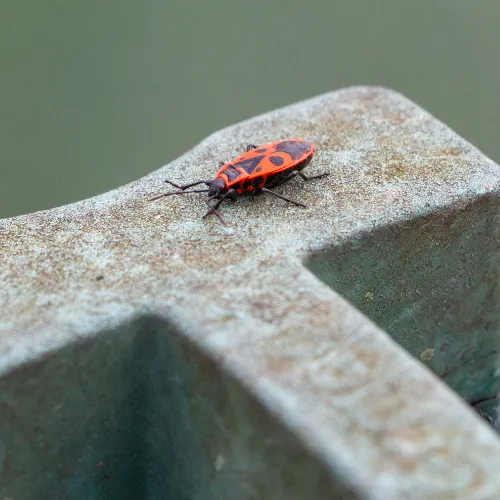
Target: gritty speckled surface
point(360, 401)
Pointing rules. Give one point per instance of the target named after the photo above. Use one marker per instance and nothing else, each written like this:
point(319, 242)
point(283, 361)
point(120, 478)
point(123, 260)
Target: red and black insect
point(259, 169)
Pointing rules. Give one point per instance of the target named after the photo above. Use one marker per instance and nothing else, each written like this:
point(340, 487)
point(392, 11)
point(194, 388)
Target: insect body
point(259, 169)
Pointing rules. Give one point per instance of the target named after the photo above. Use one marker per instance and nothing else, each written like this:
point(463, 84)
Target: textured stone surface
point(335, 384)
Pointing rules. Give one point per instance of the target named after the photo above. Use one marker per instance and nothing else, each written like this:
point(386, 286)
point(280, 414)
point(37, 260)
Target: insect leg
point(483, 400)
point(225, 196)
point(475, 404)
point(250, 147)
point(186, 186)
point(320, 176)
point(213, 209)
point(283, 198)
point(215, 212)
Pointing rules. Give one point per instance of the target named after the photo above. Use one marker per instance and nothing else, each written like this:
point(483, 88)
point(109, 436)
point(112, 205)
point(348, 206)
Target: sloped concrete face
point(146, 350)
point(140, 412)
point(432, 283)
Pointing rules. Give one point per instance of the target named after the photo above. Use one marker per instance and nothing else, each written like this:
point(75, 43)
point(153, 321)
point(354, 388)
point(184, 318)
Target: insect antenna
point(171, 193)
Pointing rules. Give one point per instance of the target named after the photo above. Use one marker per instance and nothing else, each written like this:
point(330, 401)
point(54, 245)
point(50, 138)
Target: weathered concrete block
point(147, 353)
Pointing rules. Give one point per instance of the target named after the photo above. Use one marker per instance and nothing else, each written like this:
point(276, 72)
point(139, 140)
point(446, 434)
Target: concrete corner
point(296, 353)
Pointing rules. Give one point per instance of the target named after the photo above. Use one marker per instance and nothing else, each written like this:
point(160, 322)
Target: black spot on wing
point(293, 148)
point(231, 173)
point(276, 160)
point(249, 165)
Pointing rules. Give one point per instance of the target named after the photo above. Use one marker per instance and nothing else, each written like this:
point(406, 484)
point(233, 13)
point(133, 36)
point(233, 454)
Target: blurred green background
point(98, 93)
